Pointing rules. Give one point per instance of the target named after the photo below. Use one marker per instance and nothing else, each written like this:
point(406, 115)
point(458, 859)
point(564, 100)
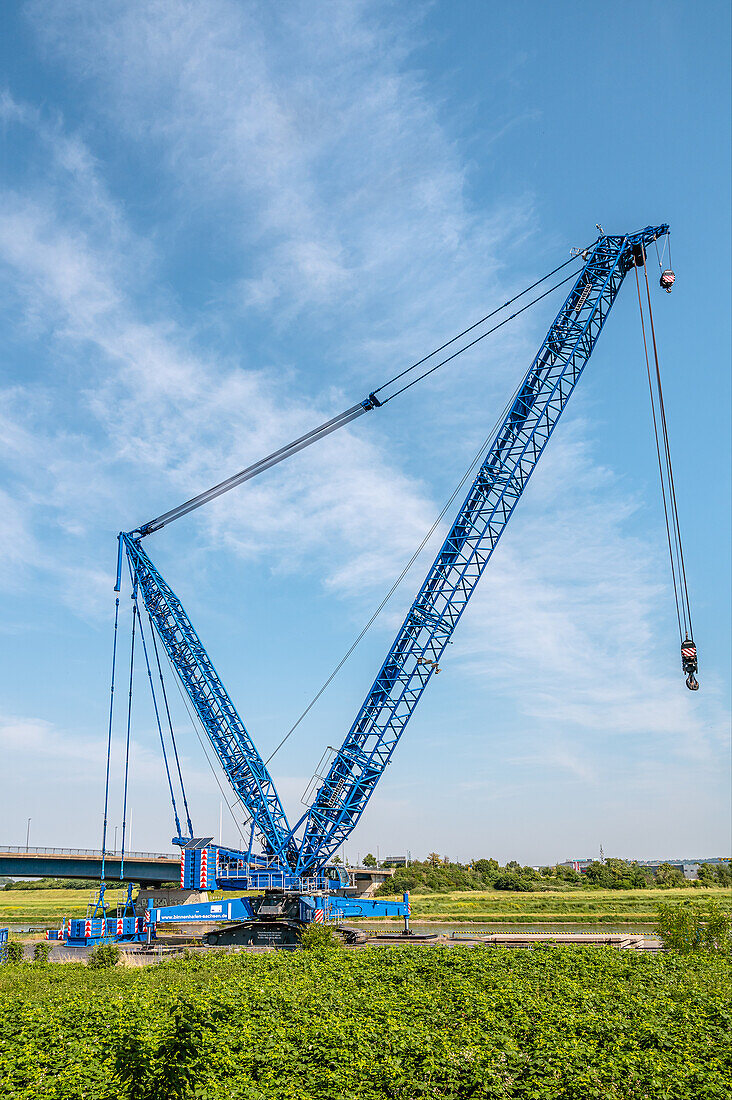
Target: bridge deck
point(146, 868)
point(149, 868)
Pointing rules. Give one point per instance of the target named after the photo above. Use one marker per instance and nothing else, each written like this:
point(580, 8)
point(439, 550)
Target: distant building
point(395, 861)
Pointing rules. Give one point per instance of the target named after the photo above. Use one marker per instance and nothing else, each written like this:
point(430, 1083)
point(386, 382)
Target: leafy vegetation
point(399, 1022)
point(41, 951)
point(440, 874)
point(49, 884)
point(15, 952)
point(103, 956)
point(711, 875)
point(319, 937)
point(693, 925)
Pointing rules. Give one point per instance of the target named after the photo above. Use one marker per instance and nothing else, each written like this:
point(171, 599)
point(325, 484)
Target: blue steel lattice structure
point(235, 749)
point(421, 641)
point(432, 618)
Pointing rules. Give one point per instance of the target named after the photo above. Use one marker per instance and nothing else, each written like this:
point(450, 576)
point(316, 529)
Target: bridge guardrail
point(20, 849)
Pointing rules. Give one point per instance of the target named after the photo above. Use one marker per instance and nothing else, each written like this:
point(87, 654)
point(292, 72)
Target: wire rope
point(477, 340)
point(203, 748)
point(667, 449)
point(666, 243)
point(481, 450)
point(170, 726)
point(658, 455)
point(127, 747)
point(109, 741)
point(665, 472)
point(159, 723)
point(474, 325)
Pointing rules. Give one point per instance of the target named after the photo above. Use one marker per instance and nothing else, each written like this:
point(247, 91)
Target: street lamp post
point(27, 835)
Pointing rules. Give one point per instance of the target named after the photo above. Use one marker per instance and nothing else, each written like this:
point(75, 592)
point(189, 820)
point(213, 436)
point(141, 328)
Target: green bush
point(711, 875)
point(41, 951)
point(667, 876)
point(167, 1068)
point(617, 874)
point(689, 926)
point(319, 937)
point(514, 880)
point(103, 956)
point(15, 952)
point(567, 874)
point(425, 877)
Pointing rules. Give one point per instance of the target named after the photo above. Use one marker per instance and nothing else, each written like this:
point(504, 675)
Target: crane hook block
point(667, 280)
point(689, 663)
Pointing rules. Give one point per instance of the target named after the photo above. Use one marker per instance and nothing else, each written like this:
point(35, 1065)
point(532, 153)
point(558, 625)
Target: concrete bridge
point(147, 868)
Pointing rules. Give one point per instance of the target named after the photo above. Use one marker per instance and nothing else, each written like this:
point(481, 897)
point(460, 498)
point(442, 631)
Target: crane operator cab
point(338, 879)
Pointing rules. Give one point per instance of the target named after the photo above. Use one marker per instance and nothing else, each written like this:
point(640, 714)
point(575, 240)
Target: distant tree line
point(438, 873)
point(50, 884)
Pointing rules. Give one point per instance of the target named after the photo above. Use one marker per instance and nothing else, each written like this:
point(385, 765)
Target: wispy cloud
point(162, 410)
point(294, 174)
point(352, 192)
point(235, 101)
point(576, 606)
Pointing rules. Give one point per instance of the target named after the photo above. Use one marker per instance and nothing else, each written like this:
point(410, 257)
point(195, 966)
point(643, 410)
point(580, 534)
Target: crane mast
point(428, 626)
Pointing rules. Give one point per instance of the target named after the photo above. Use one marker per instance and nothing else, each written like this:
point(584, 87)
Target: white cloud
point(323, 176)
point(85, 756)
point(576, 607)
point(166, 411)
point(311, 126)
point(17, 545)
point(262, 141)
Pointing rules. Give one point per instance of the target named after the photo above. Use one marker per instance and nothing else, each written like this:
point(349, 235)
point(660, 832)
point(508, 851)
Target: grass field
point(495, 906)
point(42, 906)
point(550, 907)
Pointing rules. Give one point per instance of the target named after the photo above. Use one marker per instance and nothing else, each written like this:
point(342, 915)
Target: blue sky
point(221, 223)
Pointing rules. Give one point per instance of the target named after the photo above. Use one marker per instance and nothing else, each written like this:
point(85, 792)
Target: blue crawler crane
point(290, 863)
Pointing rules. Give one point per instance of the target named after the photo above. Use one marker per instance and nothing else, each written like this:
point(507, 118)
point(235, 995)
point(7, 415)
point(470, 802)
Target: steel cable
point(480, 452)
point(665, 472)
point(170, 725)
point(157, 718)
point(348, 415)
point(109, 739)
point(176, 680)
point(667, 449)
point(477, 340)
point(473, 326)
point(127, 747)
